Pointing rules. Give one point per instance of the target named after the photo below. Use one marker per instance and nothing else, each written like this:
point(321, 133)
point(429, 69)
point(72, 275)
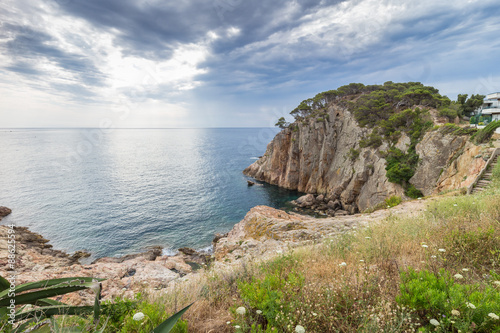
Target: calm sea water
point(119, 191)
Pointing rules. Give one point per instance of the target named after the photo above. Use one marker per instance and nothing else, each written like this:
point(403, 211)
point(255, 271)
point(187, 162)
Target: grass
point(397, 275)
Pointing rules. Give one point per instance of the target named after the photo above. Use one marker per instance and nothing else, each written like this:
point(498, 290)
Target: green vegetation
point(353, 154)
point(393, 201)
point(457, 130)
point(282, 123)
point(485, 134)
point(37, 311)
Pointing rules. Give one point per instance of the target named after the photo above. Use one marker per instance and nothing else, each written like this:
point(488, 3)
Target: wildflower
point(458, 276)
point(442, 250)
point(258, 312)
point(497, 283)
point(300, 329)
point(138, 316)
point(237, 326)
point(367, 237)
point(241, 310)
point(465, 269)
point(455, 205)
point(494, 316)
point(425, 245)
point(228, 322)
point(434, 322)
point(279, 251)
point(455, 313)
point(314, 314)
point(342, 264)
point(470, 305)
point(362, 260)
point(419, 198)
point(433, 256)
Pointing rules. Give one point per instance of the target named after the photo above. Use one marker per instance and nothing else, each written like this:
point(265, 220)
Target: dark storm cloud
point(152, 29)
point(28, 47)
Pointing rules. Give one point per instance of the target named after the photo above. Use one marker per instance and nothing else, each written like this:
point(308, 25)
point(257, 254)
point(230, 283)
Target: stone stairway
point(485, 180)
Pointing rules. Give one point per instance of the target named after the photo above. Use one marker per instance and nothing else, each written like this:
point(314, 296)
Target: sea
point(113, 192)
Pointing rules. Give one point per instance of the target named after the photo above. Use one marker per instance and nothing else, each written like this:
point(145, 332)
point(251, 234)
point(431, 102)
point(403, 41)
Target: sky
point(228, 63)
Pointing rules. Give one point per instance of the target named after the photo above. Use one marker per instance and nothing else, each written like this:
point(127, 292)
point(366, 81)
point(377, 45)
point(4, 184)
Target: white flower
point(241, 310)
point(465, 269)
point(314, 314)
point(455, 313)
point(494, 316)
point(470, 305)
point(442, 250)
point(424, 245)
point(258, 312)
point(497, 283)
point(434, 322)
point(237, 326)
point(300, 329)
point(458, 276)
point(362, 260)
point(455, 205)
point(367, 237)
point(138, 316)
point(279, 251)
point(228, 322)
point(433, 257)
point(341, 264)
point(419, 198)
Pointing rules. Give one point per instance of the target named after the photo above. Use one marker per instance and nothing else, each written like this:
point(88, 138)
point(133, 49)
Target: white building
point(491, 106)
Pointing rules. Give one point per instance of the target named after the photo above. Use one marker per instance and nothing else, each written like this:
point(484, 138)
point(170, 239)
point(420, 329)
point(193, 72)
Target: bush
point(437, 295)
point(413, 192)
point(393, 201)
point(485, 134)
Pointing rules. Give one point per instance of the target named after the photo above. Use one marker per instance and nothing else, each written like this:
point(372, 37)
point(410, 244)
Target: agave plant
point(39, 318)
point(38, 294)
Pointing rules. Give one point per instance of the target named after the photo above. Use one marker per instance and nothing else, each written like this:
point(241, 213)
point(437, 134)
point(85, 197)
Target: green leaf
point(48, 302)
point(49, 311)
point(4, 284)
point(33, 297)
point(49, 283)
point(168, 324)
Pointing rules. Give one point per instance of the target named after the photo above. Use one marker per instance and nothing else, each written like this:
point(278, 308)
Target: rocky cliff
point(323, 156)
point(316, 157)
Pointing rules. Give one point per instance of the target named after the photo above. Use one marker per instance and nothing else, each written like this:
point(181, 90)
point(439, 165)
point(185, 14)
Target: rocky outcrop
point(435, 150)
point(37, 260)
point(462, 169)
point(324, 157)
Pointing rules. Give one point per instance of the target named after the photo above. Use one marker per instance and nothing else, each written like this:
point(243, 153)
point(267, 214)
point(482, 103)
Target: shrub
point(353, 154)
point(485, 134)
point(413, 192)
point(434, 295)
point(393, 201)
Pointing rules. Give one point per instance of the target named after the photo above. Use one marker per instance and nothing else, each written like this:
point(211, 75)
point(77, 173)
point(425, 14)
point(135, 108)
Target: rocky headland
point(337, 152)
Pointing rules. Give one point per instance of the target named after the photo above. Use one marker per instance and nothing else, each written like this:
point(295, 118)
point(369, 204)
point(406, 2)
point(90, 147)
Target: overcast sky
point(218, 63)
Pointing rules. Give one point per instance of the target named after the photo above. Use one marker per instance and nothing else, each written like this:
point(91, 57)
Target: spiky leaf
point(169, 323)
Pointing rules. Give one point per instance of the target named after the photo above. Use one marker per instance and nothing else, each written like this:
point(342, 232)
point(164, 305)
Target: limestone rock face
point(317, 158)
point(436, 150)
point(462, 170)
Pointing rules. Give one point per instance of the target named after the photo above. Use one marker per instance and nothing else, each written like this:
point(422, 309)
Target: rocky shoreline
point(263, 233)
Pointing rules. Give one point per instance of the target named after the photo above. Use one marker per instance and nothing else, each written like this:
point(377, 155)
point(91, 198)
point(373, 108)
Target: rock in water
point(250, 183)
point(4, 211)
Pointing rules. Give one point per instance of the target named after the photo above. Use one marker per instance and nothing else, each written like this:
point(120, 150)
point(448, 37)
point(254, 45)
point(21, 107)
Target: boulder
point(250, 183)
point(320, 198)
point(341, 212)
point(305, 200)
point(4, 211)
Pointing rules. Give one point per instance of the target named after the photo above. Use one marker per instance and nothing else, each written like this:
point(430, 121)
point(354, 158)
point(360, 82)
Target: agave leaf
point(4, 284)
point(49, 283)
point(25, 325)
point(48, 302)
point(97, 309)
point(49, 311)
point(33, 297)
point(42, 329)
point(167, 325)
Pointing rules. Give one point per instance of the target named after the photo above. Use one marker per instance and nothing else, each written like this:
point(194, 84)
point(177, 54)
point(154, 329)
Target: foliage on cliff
point(485, 134)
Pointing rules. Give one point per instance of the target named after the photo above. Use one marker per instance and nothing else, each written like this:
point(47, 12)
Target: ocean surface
point(115, 192)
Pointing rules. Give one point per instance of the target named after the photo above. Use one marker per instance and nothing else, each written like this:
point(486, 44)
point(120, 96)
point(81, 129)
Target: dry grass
point(350, 283)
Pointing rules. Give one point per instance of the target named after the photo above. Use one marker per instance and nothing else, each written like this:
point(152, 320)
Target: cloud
point(150, 54)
